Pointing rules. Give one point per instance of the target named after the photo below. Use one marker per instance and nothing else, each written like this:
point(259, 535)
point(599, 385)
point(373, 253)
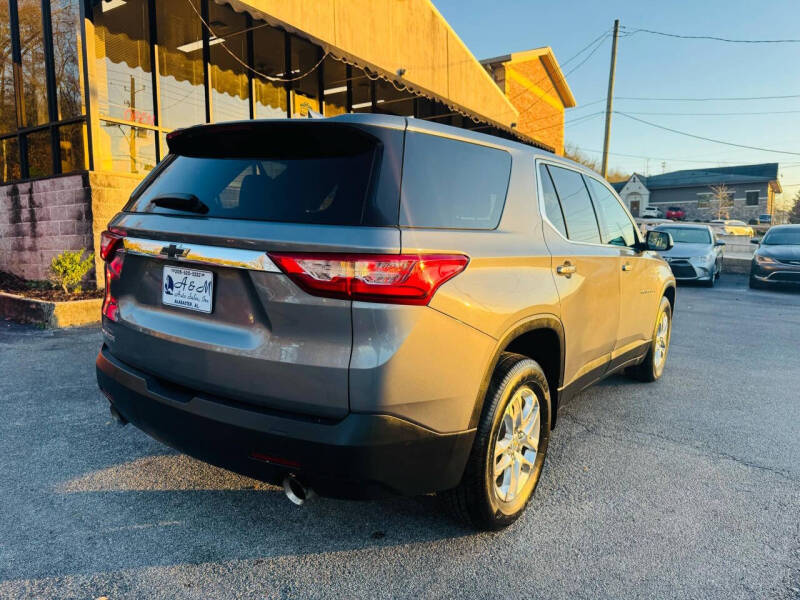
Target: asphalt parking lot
point(688, 488)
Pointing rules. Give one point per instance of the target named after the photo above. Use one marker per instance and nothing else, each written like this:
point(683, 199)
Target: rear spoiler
point(284, 138)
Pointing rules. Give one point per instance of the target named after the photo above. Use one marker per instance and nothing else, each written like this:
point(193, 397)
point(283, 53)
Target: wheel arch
point(669, 294)
point(540, 338)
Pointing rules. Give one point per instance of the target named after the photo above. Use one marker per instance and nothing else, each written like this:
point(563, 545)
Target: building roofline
point(548, 58)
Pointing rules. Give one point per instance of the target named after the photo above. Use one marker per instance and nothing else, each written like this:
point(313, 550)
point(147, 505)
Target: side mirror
point(719, 243)
point(660, 241)
point(754, 241)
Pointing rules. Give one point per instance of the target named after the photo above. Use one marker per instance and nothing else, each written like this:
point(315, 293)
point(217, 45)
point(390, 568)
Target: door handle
point(566, 269)
point(627, 267)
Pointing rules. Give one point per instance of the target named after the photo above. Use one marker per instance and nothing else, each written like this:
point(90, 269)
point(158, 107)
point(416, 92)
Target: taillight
point(390, 278)
point(110, 242)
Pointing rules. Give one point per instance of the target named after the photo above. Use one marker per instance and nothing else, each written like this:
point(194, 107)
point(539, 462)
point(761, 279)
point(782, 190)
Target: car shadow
point(169, 509)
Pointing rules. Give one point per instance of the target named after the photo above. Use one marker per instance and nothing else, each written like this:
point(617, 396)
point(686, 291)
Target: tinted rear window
point(298, 175)
point(452, 184)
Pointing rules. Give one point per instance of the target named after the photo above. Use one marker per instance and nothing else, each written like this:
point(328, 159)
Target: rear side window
point(552, 208)
point(615, 226)
point(298, 175)
point(577, 205)
point(452, 184)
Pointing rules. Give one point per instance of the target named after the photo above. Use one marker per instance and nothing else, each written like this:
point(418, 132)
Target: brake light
point(390, 278)
point(110, 242)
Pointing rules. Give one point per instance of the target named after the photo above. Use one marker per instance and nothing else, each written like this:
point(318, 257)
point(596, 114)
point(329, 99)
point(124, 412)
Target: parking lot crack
point(700, 448)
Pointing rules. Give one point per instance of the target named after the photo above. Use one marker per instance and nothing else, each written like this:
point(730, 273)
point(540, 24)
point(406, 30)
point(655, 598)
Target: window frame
point(545, 218)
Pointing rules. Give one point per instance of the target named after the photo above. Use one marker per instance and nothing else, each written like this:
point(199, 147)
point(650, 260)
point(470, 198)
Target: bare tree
point(722, 200)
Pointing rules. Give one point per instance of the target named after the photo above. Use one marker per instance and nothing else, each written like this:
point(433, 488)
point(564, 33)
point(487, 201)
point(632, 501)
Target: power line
point(708, 99)
point(712, 114)
point(700, 137)
point(599, 39)
point(588, 56)
point(710, 37)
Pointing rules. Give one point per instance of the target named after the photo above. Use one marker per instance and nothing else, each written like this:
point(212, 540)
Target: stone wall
point(110, 192)
point(40, 219)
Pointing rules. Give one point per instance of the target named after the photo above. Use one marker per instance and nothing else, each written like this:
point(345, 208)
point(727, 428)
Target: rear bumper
point(359, 456)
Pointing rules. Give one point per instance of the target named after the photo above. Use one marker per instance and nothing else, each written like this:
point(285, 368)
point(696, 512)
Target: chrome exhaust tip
point(295, 491)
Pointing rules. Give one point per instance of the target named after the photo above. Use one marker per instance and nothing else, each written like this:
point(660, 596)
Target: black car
point(777, 259)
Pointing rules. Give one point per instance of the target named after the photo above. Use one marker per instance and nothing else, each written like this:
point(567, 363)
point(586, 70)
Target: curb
point(50, 314)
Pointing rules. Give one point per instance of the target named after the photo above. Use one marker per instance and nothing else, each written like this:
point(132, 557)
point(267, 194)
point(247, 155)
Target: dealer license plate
point(188, 288)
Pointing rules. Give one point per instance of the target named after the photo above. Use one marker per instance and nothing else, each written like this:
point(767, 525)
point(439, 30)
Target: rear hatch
point(201, 305)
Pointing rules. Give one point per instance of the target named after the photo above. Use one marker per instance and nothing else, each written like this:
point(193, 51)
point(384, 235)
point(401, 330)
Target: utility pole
point(610, 99)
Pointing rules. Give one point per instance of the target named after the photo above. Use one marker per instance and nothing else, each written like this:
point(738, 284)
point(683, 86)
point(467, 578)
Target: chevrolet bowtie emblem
point(173, 251)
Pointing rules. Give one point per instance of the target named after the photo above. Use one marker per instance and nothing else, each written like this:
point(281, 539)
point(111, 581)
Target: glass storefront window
point(334, 86)
point(40, 154)
point(8, 110)
point(305, 91)
point(362, 94)
point(392, 101)
point(122, 67)
point(34, 80)
point(229, 81)
point(65, 19)
point(269, 98)
point(72, 141)
point(126, 149)
point(9, 159)
point(180, 62)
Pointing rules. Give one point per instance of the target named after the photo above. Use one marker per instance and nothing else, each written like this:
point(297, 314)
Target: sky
point(654, 66)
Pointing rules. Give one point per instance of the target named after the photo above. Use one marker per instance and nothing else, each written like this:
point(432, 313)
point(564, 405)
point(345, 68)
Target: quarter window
point(552, 208)
point(579, 214)
point(452, 184)
point(615, 226)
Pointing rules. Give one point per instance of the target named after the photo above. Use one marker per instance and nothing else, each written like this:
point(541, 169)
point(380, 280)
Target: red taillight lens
point(391, 278)
point(110, 242)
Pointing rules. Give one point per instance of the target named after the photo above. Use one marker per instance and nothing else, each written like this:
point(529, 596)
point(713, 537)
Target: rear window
point(687, 235)
point(452, 184)
point(298, 175)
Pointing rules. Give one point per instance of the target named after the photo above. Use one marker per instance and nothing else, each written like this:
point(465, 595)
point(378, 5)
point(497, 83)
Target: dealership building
point(90, 89)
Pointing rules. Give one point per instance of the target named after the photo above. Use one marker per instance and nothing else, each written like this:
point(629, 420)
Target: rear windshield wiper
point(184, 202)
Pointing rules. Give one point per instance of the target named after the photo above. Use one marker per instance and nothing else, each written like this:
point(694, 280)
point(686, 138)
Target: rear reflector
point(389, 278)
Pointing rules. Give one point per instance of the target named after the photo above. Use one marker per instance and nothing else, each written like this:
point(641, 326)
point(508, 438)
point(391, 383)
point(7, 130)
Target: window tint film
point(576, 204)
point(615, 226)
point(319, 175)
point(552, 208)
point(452, 184)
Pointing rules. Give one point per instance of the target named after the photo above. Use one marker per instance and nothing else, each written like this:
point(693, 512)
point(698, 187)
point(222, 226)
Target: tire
point(479, 499)
point(711, 280)
point(652, 367)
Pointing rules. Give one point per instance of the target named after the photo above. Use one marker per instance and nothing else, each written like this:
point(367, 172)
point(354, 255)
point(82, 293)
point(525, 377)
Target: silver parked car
point(696, 254)
point(278, 304)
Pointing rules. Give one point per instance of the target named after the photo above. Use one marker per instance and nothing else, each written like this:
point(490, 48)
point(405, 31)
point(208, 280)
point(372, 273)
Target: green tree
point(794, 212)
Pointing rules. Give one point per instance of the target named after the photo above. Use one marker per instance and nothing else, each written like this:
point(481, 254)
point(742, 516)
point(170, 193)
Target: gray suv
point(371, 304)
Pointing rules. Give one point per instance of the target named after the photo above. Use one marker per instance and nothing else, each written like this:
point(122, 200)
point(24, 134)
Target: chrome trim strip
point(237, 258)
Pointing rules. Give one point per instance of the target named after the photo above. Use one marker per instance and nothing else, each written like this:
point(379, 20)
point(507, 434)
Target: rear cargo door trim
point(237, 258)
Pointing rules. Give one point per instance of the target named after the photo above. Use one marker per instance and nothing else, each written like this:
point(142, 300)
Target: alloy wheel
point(516, 444)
